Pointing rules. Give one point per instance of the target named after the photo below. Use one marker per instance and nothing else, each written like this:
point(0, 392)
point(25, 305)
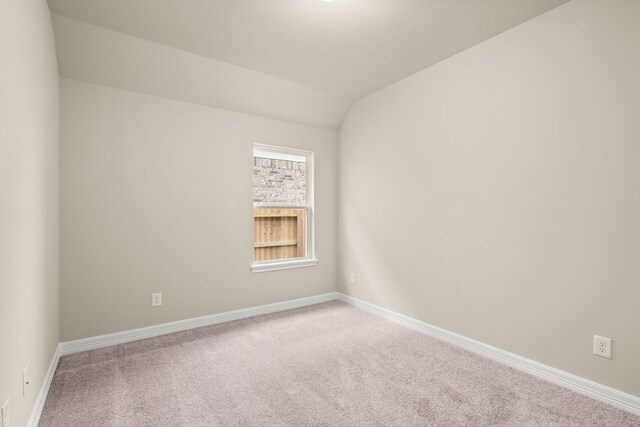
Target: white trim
point(34, 419)
point(271, 154)
point(583, 386)
point(262, 148)
point(262, 205)
point(310, 241)
point(182, 325)
point(262, 266)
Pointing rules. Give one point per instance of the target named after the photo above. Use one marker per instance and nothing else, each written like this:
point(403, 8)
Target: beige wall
point(156, 196)
point(28, 201)
point(497, 193)
point(97, 55)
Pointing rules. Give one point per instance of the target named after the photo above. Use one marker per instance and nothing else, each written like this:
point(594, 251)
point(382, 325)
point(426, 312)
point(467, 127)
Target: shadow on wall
point(363, 255)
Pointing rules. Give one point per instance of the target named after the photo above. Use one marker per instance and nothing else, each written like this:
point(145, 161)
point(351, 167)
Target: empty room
point(319, 213)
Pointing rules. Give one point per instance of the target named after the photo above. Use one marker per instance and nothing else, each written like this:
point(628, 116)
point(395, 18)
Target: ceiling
point(345, 47)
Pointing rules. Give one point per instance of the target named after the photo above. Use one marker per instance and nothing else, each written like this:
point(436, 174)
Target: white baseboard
point(34, 419)
point(69, 347)
point(183, 325)
point(586, 387)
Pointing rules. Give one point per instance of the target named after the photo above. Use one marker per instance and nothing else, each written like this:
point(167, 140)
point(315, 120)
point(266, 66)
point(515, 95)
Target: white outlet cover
point(352, 278)
point(156, 299)
point(6, 415)
point(602, 346)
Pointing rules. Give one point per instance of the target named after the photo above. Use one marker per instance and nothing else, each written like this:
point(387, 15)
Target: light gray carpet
point(324, 365)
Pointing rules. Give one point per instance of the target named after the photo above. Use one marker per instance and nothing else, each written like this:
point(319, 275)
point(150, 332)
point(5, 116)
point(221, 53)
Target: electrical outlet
point(25, 380)
point(352, 278)
point(5, 416)
point(602, 346)
point(156, 299)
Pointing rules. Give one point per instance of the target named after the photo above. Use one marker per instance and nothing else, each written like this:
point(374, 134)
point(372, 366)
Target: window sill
point(259, 267)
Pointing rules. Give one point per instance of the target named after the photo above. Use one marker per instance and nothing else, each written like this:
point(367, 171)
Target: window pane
point(278, 234)
point(279, 181)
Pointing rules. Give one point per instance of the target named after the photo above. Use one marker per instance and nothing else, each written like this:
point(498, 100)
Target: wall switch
point(352, 278)
point(156, 299)
point(25, 380)
point(5, 416)
point(602, 346)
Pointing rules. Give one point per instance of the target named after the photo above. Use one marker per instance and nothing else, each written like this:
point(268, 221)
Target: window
point(282, 208)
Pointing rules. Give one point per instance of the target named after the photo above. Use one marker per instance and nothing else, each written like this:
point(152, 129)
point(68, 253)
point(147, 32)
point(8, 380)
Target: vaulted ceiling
point(347, 48)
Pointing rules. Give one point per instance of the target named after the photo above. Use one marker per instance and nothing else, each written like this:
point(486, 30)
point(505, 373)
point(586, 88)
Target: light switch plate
point(25, 380)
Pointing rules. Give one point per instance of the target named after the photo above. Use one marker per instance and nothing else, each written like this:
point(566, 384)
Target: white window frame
point(309, 259)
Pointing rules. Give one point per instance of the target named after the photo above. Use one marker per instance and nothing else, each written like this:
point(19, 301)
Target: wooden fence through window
point(278, 234)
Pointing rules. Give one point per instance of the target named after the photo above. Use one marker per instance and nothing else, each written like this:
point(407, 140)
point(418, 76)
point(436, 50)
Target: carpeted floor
point(324, 365)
